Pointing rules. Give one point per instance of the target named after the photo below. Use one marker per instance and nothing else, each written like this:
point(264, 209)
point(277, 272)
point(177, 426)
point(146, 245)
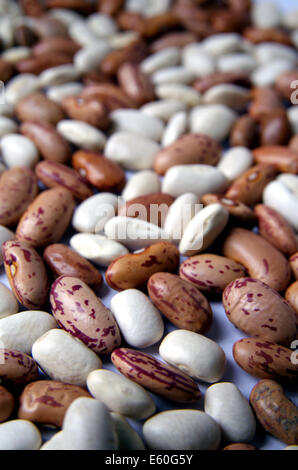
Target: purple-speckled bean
point(47, 218)
point(82, 314)
point(260, 311)
point(26, 273)
point(17, 368)
point(156, 376)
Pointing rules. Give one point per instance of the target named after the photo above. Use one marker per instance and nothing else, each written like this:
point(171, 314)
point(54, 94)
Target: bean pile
point(141, 99)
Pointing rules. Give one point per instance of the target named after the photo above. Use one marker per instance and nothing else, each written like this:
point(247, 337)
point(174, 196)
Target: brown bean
point(291, 296)
point(176, 39)
point(275, 128)
point(110, 7)
point(283, 158)
point(203, 84)
point(7, 404)
point(261, 260)
point(32, 7)
point(47, 218)
point(184, 305)
point(194, 19)
point(284, 82)
point(276, 230)
point(52, 145)
point(156, 376)
point(244, 132)
point(265, 100)
point(225, 21)
point(240, 447)
point(47, 26)
point(38, 107)
point(258, 35)
point(56, 45)
point(135, 83)
point(294, 264)
point(46, 401)
point(54, 174)
point(102, 173)
point(249, 187)
point(141, 208)
point(133, 270)
point(237, 209)
point(63, 261)
point(160, 23)
point(6, 70)
point(210, 273)
point(135, 52)
point(188, 149)
point(39, 63)
point(277, 414)
point(16, 368)
point(80, 5)
point(265, 360)
point(108, 94)
point(26, 274)
point(18, 188)
point(96, 76)
point(81, 313)
point(293, 144)
point(131, 21)
point(87, 110)
point(25, 36)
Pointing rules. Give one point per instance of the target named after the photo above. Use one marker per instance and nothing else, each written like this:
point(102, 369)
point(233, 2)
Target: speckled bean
point(17, 368)
point(291, 296)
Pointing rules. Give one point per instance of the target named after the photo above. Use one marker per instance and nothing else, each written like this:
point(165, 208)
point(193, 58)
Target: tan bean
point(7, 404)
point(110, 7)
point(237, 209)
point(265, 360)
point(133, 270)
point(47, 218)
point(26, 274)
point(38, 64)
point(258, 35)
point(18, 188)
point(110, 95)
point(38, 107)
point(46, 401)
point(101, 172)
point(156, 376)
point(277, 414)
point(62, 260)
point(259, 257)
point(276, 230)
point(283, 158)
point(144, 208)
point(134, 52)
point(176, 39)
point(249, 187)
point(82, 314)
point(265, 100)
point(240, 447)
point(189, 149)
point(210, 273)
point(87, 110)
point(291, 296)
point(203, 84)
point(16, 368)
point(55, 45)
point(259, 311)
point(182, 304)
point(6, 70)
point(49, 142)
point(54, 174)
point(135, 83)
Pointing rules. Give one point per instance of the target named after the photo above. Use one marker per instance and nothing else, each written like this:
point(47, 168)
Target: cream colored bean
point(235, 162)
point(101, 25)
point(14, 54)
point(21, 330)
point(123, 39)
point(266, 15)
point(289, 180)
point(132, 151)
point(8, 302)
point(163, 109)
point(135, 234)
point(20, 86)
point(88, 425)
point(93, 213)
point(160, 60)
point(220, 44)
point(19, 434)
point(293, 118)
point(140, 184)
point(148, 8)
point(6, 31)
point(278, 196)
point(120, 394)
point(233, 96)
point(17, 150)
point(65, 358)
point(268, 51)
point(194, 354)
point(198, 61)
point(55, 443)
point(59, 92)
point(6, 109)
point(7, 126)
point(178, 74)
point(139, 321)
point(176, 127)
point(97, 248)
point(180, 213)
point(58, 75)
point(266, 74)
point(290, 18)
point(82, 134)
point(90, 56)
point(230, 409)
point(136, 122)
point(80, 33)
point(5, 235)
point(198, 179)
point(182, 430)
point(215, 120)
point(176, 91)
point(237, 61)
point(203, 229)
point(128, 438)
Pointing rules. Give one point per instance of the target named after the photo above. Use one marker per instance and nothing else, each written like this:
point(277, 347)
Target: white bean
point(268, 51)
point(101, 25)
point(178, 74)
point(176, 91)
point(148, 8)
point(168, 57)
point(15, 54)
point(163, 109)
point(278, 196)
point(17, 151)
point(8, 303)
point(128, 438)
point(289, 180)
point(266, 74)
point(235, 162)
point(58, 75)
point(266, 15)
point(80, 33)
point(93, 213)
point(55, 443)
point(293, 117)
point(223, 43)
point(176, 127)
point(90, 56)
point(19, 434)
point(233, 96)
point(97, 248)
point(183, 209)
point(20, 86)
point(130, 120)
point(198, 61)
point(237, 61)
point(215, 120)
point(82, 134)
point(7, 126)
point(140, 184)
point(59, 92)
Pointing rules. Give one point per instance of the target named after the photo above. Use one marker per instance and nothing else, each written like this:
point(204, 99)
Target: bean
point(97, 248)
point(128, 438)
point(142, 183)
point(92, 214)
point(152, 207)
point(7, 404)
point(292, 297)
point(19, 434)
point(17, 368)
point(18, 150)
point(235, 162)
point(38, 107)
point(215, 120)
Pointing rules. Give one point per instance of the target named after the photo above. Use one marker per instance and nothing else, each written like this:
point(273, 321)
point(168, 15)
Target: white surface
point(222, 332)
